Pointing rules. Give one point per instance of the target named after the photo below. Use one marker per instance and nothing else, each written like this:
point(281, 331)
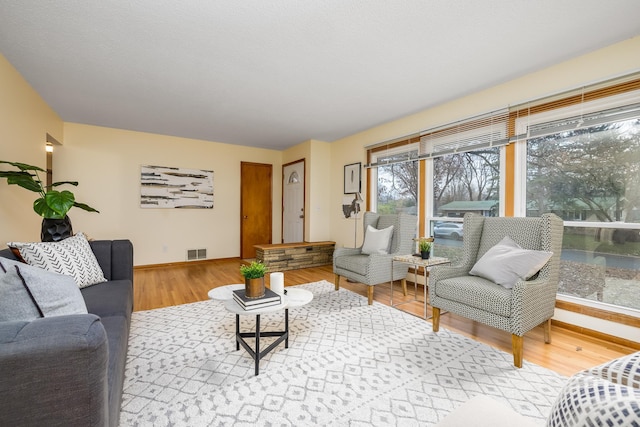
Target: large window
point(395, 180)
point(586, 169)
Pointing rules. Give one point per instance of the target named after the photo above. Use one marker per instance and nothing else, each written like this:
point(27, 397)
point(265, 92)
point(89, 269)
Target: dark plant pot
point(425, 254)
point(254, 288)
point(54, 230)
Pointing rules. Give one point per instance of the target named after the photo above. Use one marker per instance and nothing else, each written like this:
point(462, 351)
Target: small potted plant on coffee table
point(424, 245)
point(253, 279)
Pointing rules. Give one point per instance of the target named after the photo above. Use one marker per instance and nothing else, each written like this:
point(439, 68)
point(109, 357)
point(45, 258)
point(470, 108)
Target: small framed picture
point(352, 178)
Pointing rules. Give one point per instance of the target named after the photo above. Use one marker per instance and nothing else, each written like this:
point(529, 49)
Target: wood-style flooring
point(173, 284)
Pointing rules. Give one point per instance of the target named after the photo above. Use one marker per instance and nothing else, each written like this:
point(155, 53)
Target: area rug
point(348, 364)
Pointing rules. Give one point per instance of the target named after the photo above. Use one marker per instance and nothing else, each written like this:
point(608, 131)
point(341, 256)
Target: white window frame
point(373, 183)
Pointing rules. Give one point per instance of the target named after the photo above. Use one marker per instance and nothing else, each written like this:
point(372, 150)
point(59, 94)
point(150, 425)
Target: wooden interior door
point(255, 207)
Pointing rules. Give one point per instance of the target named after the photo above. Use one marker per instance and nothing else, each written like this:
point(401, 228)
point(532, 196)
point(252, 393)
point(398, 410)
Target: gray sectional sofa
point(69, 370)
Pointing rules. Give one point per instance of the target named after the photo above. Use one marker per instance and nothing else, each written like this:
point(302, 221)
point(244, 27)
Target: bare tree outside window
point(398, 185)
point(473, 176)
point(463, 182)
point(592, 175)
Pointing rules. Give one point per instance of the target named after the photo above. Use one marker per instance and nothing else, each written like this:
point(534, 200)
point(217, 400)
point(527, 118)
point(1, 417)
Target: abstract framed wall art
point(352, 178)
point(167, 187)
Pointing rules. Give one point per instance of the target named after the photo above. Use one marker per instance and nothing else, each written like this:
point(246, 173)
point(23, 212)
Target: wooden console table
point(290, 256)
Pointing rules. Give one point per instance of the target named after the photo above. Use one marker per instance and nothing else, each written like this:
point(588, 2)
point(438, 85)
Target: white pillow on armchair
point(377, 241)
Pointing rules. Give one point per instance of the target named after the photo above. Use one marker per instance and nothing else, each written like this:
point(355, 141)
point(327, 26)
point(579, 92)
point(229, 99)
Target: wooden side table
point(417, 262)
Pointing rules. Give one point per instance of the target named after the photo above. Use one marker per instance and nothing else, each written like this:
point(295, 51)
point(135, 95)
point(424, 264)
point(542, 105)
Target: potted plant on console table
point(52, 205)
point(253, 279)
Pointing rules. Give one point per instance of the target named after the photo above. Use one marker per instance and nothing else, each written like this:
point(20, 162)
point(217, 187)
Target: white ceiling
point(274, 73)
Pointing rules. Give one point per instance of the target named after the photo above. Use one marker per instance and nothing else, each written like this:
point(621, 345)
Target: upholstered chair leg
point(547, 331)
point(404, 286)
point(336, 281)
point(516, 343)
point(370, 294)
point(435, 319)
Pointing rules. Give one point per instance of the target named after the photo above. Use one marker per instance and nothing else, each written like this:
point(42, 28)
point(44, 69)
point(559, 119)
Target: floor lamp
point(357, 199)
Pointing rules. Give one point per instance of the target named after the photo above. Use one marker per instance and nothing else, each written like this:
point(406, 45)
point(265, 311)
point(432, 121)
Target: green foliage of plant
point(255, 270)
point(51, 203)
point(425, 243)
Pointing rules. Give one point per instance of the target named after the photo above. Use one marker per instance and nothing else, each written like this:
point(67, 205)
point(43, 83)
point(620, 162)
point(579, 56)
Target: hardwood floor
point(569, 351)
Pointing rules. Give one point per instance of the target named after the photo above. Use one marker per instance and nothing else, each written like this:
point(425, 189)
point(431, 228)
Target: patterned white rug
point(348, 363)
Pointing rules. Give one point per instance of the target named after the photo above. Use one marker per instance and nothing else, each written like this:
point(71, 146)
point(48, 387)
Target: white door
point(293, 202)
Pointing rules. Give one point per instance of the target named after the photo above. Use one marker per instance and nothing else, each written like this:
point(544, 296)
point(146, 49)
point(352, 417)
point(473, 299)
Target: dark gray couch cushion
point(113, 298)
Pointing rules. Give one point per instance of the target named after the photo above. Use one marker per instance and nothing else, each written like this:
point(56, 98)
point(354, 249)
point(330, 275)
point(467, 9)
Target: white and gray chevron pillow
point(72, 256)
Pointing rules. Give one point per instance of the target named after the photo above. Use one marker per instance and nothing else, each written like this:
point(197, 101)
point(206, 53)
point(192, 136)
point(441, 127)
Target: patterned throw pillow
point(592, 401)
point(624, 370)
point(72, 256)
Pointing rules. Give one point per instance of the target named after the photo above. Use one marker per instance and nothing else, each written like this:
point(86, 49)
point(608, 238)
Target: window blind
point(487, 130)
point(584, 121)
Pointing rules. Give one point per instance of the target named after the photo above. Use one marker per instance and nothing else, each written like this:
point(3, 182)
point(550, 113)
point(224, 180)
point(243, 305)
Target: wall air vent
point(195, 254)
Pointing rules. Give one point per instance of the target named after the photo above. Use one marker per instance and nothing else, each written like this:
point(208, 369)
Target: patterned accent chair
point(518, 310)
point(375, 269)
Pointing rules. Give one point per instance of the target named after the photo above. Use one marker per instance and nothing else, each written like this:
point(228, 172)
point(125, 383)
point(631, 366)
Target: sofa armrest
point(443, 272)
point(115, 258)
point(54, 371)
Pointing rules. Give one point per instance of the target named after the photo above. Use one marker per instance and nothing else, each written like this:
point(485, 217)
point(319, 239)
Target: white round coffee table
point(293, 298)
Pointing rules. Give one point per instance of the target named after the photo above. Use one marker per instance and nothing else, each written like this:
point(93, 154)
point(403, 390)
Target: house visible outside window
point(583, 164)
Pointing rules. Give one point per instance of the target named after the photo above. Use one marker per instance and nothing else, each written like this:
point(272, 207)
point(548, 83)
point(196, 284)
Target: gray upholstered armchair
point(375, 269)
point(528, 303)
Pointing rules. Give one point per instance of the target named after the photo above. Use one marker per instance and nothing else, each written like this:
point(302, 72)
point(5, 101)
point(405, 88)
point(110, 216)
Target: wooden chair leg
point(547, 331)
point(336, 281)
point(516, 344)
point(370, 294)
point(404, 286)
point(436, 319)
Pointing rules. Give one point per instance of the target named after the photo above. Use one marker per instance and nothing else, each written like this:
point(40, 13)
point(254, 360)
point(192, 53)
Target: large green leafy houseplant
point(51, 203)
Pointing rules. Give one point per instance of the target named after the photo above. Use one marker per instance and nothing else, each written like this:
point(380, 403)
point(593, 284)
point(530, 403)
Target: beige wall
point(319, 209)
point(107, 164)
point(25, 119)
